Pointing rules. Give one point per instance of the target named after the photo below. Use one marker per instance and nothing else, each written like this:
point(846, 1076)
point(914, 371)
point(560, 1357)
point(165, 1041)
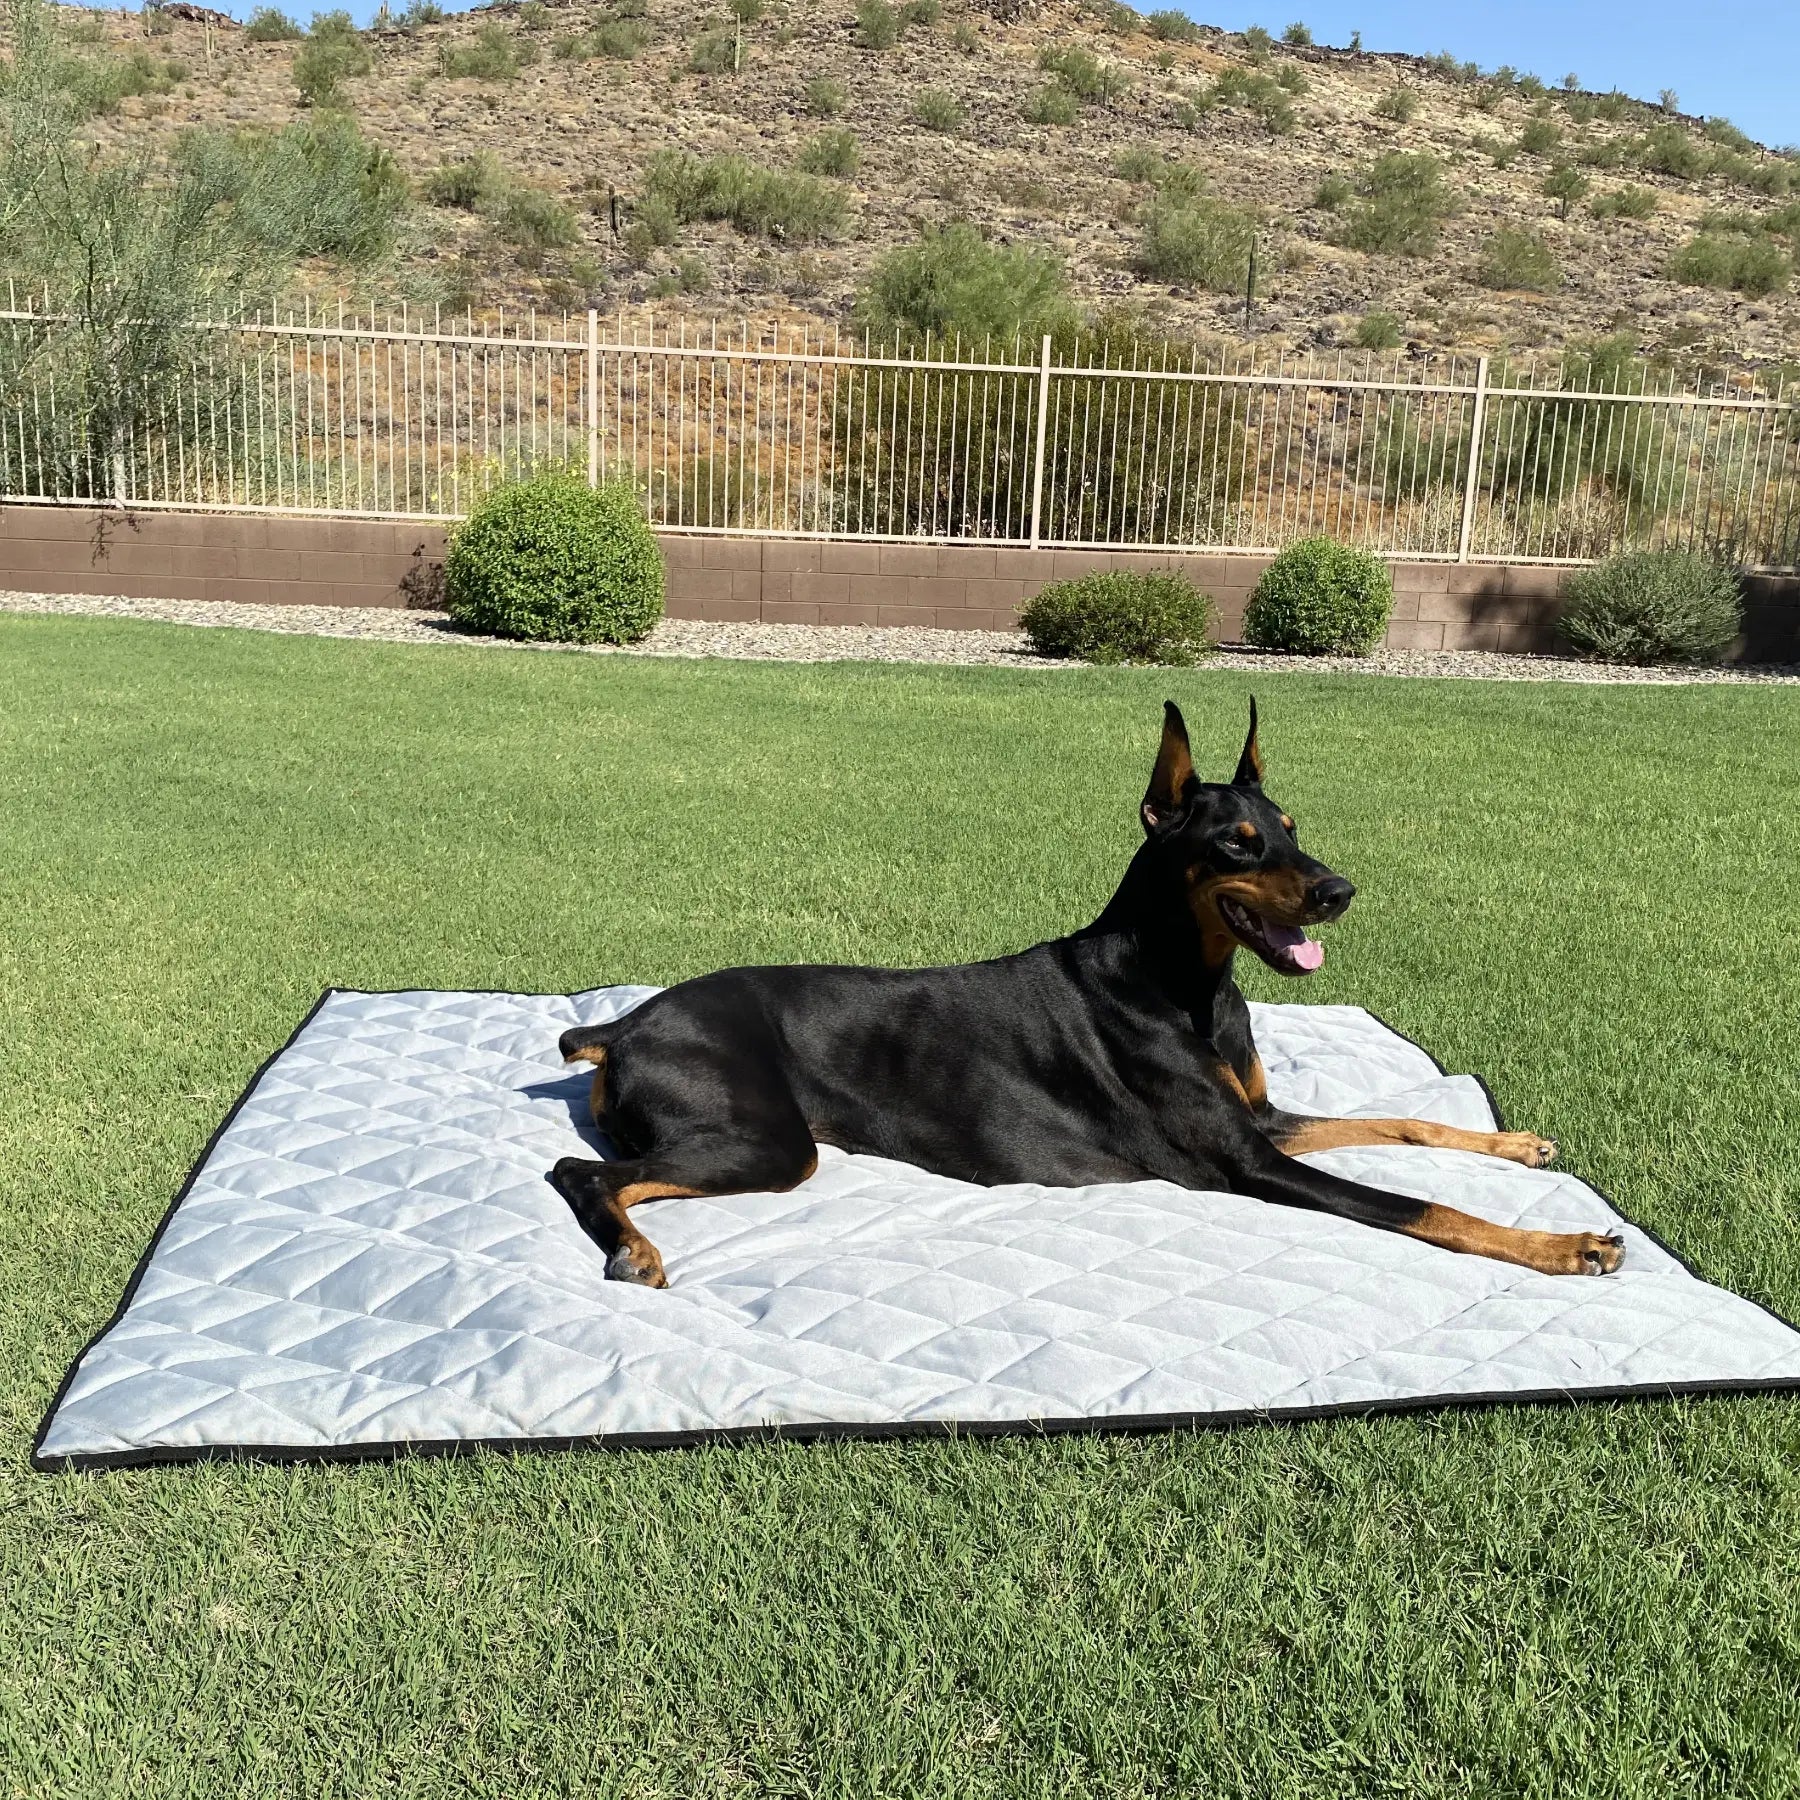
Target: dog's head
point(1234, 854)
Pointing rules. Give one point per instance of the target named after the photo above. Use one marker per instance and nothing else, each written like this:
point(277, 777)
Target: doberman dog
point(1119, 1053)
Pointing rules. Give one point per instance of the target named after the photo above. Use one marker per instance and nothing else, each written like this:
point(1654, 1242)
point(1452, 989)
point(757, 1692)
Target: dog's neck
point(1150, 921)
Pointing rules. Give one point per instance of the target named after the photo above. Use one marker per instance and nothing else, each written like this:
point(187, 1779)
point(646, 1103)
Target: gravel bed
point(853, 643)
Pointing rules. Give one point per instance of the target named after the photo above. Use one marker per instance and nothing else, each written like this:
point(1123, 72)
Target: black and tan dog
point(1120, 1053)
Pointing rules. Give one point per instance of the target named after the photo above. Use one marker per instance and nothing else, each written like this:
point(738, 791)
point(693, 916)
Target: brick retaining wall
point(375, 562)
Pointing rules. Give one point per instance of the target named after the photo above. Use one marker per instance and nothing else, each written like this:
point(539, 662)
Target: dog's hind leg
point(602, 1194)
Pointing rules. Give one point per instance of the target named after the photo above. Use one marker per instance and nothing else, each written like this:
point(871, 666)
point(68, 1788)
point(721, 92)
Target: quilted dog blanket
point(369, 1261)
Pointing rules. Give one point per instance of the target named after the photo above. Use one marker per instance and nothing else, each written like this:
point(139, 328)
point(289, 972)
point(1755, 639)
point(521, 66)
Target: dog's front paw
point(1524, 1147)
point(1592, 1254)
point(636, 1262)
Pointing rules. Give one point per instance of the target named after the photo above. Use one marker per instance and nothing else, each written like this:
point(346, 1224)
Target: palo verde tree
point(122, 253)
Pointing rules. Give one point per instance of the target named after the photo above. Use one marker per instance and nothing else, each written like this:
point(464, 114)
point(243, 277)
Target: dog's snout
point(1328, 899)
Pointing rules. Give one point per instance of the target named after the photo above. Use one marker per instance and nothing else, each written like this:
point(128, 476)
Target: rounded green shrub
point(1651, 606)
point(551, 558)
point(1120, 617)
point(1322, 598)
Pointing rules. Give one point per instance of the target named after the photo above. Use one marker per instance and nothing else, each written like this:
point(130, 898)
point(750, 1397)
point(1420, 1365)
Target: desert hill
point(1140, 152)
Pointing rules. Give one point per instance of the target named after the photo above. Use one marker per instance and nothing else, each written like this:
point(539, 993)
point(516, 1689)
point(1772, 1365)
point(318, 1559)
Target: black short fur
point(1118, 1053)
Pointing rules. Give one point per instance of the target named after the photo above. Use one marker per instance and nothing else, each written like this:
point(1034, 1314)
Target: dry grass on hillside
point(941, 131)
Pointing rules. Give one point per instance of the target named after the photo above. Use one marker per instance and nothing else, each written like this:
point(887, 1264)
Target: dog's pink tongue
point(1296, 948)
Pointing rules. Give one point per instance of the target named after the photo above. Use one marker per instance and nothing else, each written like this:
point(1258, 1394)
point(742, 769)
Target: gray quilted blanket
point(369, 1260)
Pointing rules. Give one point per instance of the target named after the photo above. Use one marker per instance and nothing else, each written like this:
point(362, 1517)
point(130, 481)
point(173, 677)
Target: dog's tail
point(584, 1043)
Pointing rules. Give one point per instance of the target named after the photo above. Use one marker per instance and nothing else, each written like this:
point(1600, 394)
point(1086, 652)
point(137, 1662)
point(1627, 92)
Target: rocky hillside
point(1132, 148)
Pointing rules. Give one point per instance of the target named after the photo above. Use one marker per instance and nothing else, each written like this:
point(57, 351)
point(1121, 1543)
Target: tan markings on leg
point(597, 1097)
point(1228, 1079)
point(634, 1193)
point(1549, 1252)
point(1347, 1134)
point(1256, 1084)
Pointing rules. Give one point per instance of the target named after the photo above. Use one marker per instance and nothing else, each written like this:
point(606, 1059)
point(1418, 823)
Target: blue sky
point(1740, 58)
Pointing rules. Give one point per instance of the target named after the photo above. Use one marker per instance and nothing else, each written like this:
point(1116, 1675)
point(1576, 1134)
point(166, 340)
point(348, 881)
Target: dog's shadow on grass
point(572, 1092)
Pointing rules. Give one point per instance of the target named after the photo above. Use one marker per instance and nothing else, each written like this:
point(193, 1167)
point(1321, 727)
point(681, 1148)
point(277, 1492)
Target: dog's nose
point(1329, 898)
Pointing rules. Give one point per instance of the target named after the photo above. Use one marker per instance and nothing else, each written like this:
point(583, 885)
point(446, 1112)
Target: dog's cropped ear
point(1174, 770)
point(1250, 764)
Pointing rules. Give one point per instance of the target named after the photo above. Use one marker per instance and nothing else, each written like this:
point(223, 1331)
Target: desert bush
point(1082, 73)
point(464, 184)
point(1258, 42)
point(830, 153)
point(1625, 203)
point(494, 54)
point(269, 25)
point(1721, 131)
point(1542, 450)
point(1172, 27)
point(1516, 258)
point(1119, 617)
point(1332, 192)
point(1672, 149)
point(1297, 34)
point(952, 281)
point(533, 220)
point(919, 13)
point(551, 559)
point(965, 37)
point(1715, 259)
point(333, 53)
point(134, 244)
point(938, 111)
point(1263, 95)
point(1399, 103)
point(716, 53)
point(1378, 330)
point(1564, 184)
point(420, 12)
point(1196, 242)
point(91, 86)
point(1322, 598)
point(1402, 203)
point(1291, 79)
point(319, 189)
point(617, 40)
point(1174, 480)
point(1137, 162)
point(1052, 104)
point(1538, 137)
point(826, 97)
point(877, 25)
point(1653, 606)
point(760, 202)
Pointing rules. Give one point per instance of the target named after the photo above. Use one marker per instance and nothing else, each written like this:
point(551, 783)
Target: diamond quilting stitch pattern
point(369, 1260)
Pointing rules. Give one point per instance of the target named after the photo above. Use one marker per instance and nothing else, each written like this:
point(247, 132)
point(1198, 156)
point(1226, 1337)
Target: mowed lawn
point(1588, 894)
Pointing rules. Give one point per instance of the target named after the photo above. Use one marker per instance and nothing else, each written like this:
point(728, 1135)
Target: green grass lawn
point(1588, 894)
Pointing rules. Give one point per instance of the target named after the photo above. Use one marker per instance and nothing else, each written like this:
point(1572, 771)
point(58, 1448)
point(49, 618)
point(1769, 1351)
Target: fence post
point(1037, 461)
point(593, 396)
point(1472, 478)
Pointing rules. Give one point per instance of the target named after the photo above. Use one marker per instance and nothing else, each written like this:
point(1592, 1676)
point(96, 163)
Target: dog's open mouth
point(1285, 948)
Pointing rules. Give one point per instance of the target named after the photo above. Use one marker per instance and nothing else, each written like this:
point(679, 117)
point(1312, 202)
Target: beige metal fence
point(782, 432)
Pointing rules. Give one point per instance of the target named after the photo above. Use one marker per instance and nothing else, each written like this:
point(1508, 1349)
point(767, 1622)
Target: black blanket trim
point(1136, 1425)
